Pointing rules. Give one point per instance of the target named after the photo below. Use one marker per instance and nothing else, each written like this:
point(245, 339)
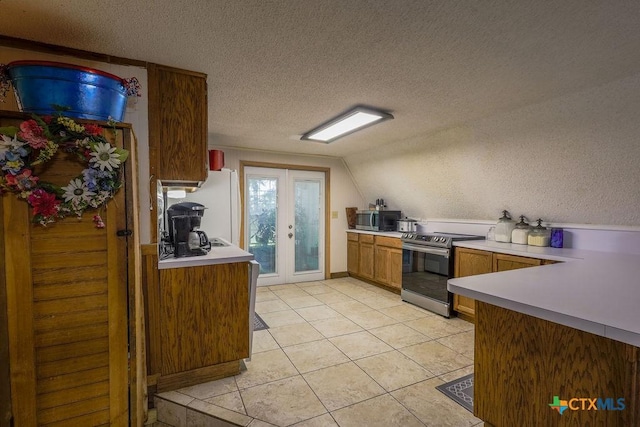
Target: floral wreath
point(38, 140)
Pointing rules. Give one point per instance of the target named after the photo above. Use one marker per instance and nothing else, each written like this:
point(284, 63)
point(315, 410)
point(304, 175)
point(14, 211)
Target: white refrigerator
point(220, 193)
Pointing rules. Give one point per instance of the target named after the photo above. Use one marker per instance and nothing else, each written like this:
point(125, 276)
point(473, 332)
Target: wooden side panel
point(205, 316)
point(151, 288)
point(67, 310)
point(522, 362)
point(5, 378)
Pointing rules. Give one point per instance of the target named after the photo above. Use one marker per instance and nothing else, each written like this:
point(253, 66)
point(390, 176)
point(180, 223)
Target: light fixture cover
point(351, 121)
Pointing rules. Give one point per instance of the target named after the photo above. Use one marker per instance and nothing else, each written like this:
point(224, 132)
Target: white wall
point(136, 114)
point(572, 159)
point(343, 192)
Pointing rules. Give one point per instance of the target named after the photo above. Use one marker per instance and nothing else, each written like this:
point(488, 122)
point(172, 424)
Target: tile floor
point(338, 352)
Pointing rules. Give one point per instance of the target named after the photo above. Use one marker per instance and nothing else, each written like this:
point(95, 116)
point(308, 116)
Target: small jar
point(539, 235)
point(504, 227)
point(520, 234)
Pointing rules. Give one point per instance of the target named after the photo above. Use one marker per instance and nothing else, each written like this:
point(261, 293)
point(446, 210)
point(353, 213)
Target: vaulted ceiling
point(277, 68)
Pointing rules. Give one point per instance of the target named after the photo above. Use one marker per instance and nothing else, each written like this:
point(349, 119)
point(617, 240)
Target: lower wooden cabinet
point(375, 258)
point(470, 262)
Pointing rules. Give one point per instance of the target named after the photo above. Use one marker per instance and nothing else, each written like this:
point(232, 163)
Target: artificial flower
point(105, 156)
point(31, 132)
point(92, 129)
point(43, 203)
point(77, 191)
point(23, 181)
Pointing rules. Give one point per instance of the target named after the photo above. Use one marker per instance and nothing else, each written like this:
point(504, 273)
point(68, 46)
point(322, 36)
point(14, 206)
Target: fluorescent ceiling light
point(355, 119)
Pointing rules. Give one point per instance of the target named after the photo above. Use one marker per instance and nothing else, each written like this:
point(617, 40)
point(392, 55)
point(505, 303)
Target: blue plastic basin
point(86, 92)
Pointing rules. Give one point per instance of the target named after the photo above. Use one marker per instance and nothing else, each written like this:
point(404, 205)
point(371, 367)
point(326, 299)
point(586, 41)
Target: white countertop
point(596, 292)
point(397, 234)
point(217, 255)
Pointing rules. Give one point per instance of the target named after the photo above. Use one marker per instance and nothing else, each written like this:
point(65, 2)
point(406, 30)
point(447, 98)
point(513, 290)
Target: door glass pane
point(307, 222)
point(262, 214)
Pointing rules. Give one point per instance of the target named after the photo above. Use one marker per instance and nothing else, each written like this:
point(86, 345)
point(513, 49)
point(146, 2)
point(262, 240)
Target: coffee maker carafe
point(184, 221)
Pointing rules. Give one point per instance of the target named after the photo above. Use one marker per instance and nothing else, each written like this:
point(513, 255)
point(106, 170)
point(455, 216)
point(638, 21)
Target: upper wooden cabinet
point(177, 124)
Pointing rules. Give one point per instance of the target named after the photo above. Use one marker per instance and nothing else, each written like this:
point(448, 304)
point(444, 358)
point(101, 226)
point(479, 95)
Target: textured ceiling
point(279, 68)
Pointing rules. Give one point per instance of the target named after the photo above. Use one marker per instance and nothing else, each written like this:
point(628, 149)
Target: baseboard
point(339, 275)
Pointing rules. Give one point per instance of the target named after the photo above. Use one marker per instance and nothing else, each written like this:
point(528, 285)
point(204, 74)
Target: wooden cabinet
point(504, 262)
point(469, 262)
point(71, 295)
point(388, 261)
point(178, 123)
point(353, 254)
point(366, 257)
point(202, 319)
point(375, 258)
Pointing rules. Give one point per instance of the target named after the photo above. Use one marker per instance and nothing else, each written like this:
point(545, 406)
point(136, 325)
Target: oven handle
point(426, 250)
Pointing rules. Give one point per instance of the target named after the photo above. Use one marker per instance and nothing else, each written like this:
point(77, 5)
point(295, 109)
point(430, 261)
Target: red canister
point(216, 160)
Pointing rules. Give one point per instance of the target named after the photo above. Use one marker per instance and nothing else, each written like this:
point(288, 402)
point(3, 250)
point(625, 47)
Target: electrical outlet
point(334, 214)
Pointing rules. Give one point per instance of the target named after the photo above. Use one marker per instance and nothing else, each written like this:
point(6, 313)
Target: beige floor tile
point(434, 326)
point(295, 334)
point(282, 402)
point(211, 388)
point(290, 293)
point(399, 335)
point(370, 319)
point(317, 289)
point(325, 420)
point(349, 307)
point(342, 385)
point(265, 367)
point(360, 344)
point(458, 373)
point(231, 401)
point(171, 413)
point(435, 357)
point(381, 411)
point(263, 341)
point(405, 312)
point(265, 295)
point(335, 327)
point(462, 324)
point(432, 407)
point(378, 302)
point(315, 355)
point(284, 287)
point(282, 318)
point(300, 302)
point(332, 297)
point(259, 423)
point(270, 306)
point(317, 313)
point(217, 412)
point(393, 370)
point(462, 343)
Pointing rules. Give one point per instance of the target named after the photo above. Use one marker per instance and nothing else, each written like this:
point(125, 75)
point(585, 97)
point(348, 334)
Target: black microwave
point(377, 220)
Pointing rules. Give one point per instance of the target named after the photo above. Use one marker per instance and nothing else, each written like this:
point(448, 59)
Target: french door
point(284, 223)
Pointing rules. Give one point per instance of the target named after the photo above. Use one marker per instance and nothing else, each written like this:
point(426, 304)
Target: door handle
point(290, 235)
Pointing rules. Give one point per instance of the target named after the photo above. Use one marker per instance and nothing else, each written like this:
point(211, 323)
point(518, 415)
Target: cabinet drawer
point(352, 237)
point(366, 238)
point(392, 242)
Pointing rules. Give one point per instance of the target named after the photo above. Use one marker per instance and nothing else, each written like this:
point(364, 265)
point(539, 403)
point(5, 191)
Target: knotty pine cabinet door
point(67, 305)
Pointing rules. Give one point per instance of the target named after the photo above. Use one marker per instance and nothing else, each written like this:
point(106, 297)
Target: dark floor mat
point(460, 391)
point(258, 323)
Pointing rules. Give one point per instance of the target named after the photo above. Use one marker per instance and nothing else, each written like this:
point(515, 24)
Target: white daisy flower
point(77, 191)
point(105, 157)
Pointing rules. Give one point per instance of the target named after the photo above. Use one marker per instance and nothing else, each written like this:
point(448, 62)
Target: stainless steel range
point(427, 263)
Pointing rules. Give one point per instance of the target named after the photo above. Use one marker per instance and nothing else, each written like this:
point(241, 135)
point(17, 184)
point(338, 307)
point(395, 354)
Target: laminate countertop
point(596, 292)
point(217, 255)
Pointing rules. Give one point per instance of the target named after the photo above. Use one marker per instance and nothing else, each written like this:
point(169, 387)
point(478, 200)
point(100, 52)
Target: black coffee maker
point(183, 223)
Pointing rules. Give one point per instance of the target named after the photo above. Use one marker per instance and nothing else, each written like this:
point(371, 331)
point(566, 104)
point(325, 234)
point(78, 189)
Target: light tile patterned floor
point(338, 352)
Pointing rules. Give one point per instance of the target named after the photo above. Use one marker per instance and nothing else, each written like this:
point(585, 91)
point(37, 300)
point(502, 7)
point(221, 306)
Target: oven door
point(424, 278)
